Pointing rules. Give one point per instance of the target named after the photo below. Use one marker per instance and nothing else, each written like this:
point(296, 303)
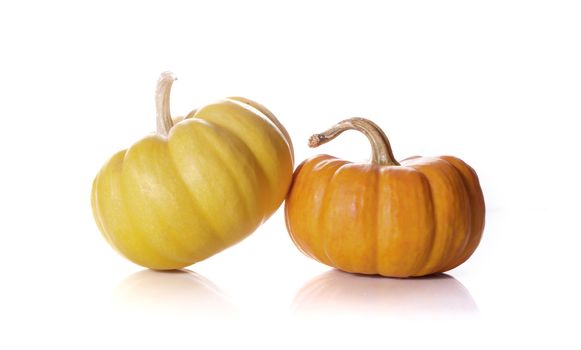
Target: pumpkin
point(197, 186)
point(416, 217)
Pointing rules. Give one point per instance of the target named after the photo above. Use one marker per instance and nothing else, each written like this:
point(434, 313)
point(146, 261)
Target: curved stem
point(267, 113)
point(381, 153)
point(162, 92)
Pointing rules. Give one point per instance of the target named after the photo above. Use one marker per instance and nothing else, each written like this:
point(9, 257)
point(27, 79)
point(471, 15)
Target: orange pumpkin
point(416, 217)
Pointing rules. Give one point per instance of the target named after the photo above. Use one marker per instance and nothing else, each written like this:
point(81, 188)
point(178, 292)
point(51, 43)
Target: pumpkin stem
point(267, 113)
point(381, 153)
point(162, 92)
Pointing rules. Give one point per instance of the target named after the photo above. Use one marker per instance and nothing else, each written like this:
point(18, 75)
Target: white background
point(496, 83)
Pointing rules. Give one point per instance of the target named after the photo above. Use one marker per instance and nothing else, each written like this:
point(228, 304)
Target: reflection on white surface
point(181, 292)
point(336, 291)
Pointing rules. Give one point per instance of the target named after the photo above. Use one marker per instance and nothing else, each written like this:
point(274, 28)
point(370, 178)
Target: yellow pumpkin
point(197, 186)
point(416, 217)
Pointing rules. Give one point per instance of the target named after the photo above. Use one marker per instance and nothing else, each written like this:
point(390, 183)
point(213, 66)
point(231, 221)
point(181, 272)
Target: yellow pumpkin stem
point(267, 113)
point(381, 153)
point(162, 92)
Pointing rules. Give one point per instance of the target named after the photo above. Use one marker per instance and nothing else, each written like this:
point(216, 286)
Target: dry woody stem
point(162, 92)
point(381, 153)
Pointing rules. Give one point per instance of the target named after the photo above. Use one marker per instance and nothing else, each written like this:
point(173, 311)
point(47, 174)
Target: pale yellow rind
point(167, 203)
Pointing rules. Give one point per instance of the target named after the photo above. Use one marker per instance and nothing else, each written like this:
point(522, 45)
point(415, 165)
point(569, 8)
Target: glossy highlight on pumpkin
point(194, 188)
point(416, 217)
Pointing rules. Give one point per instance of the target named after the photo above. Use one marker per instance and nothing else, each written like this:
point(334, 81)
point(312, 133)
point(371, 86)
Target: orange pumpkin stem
point(381, 153)
point(162, 92)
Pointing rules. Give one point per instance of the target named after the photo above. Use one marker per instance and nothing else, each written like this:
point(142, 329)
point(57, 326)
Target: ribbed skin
point(423, 217)
point(166, 203)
